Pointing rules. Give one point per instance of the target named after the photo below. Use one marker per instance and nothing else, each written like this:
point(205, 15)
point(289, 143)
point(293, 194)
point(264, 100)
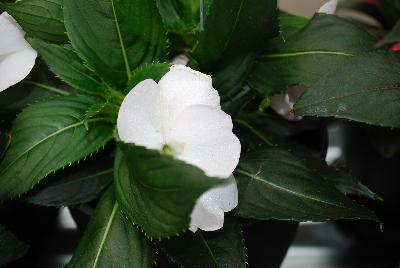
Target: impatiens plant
point(180, 163)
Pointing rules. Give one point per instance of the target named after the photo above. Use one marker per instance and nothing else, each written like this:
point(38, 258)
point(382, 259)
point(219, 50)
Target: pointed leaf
point(40, 18)
point(10, 247)
point(222, 248)
point(114, 37)
point(65, 64)
point(253, 136)
point(157, 192)
point(274, 184)
point(111, 241)
point(358, 91)
point(48, 136)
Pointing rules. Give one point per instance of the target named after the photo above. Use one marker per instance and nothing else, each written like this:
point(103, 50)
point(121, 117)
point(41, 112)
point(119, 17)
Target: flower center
point(166, 149)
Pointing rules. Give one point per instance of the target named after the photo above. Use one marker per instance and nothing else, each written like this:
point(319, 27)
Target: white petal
point(139, 118)
point(329, 7)
point(17, 57)
point(206, 215)
point(202, 136)
point(182, 87)
point(225, 196)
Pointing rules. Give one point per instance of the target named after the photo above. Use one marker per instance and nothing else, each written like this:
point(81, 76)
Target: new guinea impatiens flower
point(181, 115)
point(17, 57)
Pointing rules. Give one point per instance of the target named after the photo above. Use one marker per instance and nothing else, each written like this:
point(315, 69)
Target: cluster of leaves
point(100, 49)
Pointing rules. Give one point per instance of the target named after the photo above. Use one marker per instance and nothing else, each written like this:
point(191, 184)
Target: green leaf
point(234, 27)
point(111, 241)
point(179, 16)
point(10, 247)
point(253, 136)
point(115, 36)
point(157, 192)
point(65, 64)
point(152, 71)
point(46, 137)
point(76, 185)
point(366, 90)
point(39, 18)
point(222, 248)
point(275, 184)
point(321, 46)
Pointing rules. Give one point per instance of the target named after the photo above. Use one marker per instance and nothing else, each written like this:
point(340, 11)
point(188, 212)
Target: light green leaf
point(48, 136)
point(222, 248)
point(115, 36)
point(10, 247)
point(275, 184)
point(39, 18)
point(366, 89)
point(157, 192)
point(65, 64)
point(111, 241)
point(321, 46)
point(76, 185)
point(234, 27)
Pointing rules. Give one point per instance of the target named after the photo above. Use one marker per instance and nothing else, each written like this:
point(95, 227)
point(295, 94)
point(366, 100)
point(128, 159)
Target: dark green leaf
point(157, 192)
point(366, 89)
point(254, 135)
point(46, 137)
point(65, 64)
point(40, 18)
point(222, 248)
point(275, 184)
point(179, 16)
point(76, 185)
point(234, 27)
point(321, 46)
point(229, 81)
point(115, 36)
point(10, 247)
point(149, 71)
point(111, 241)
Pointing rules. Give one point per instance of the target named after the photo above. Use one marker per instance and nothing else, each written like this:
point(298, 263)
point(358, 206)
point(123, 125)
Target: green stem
point(47, 87)
point(304, 53)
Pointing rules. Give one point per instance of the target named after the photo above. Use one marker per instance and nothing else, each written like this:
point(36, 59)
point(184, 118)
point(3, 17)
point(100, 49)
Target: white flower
point(17, 57)
point(329, 7)
point(182, 114)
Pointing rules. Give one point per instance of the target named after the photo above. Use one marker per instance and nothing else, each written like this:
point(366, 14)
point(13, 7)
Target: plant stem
point(47, 87)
